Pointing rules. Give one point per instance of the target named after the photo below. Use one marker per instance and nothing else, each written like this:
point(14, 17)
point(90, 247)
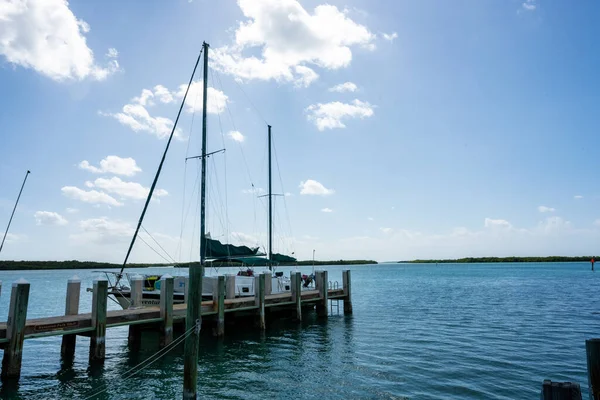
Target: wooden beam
point(268, 283)
point(15, 330)
point(166, 309)
point(347, 285)
point(99, 304)
point(67, 348)
point(219, 304)
point(297, 294)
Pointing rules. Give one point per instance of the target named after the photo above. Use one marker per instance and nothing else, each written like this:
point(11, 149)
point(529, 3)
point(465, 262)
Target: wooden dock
point(17, 328)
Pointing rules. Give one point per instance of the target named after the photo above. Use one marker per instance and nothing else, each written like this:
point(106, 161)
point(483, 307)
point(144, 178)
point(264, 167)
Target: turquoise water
point(417, 332)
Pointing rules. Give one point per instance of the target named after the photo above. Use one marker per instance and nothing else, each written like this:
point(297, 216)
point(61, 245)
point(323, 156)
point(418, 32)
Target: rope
point(149, 361)
point(155, 241)
point(287, 214)
point(154, 250)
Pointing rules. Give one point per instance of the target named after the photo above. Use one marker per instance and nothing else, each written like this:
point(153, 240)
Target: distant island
point(74, 264)
point(506, 260)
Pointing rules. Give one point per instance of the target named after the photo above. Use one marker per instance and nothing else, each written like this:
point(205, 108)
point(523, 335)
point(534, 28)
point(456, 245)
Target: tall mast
point(14, 209)
point(193, 319)
point(270, 208)
point(137, 229)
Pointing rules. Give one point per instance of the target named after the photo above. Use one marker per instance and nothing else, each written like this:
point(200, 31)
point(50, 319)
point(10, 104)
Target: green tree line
point(508, 259)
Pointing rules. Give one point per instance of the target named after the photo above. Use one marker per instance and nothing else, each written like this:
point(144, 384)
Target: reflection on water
point(426, 332)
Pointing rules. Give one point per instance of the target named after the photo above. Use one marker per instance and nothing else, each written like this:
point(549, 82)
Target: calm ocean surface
point(492, 331)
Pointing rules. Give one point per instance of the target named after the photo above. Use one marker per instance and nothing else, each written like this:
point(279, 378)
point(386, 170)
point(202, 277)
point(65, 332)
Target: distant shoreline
point(483, 260)
point(74, 264)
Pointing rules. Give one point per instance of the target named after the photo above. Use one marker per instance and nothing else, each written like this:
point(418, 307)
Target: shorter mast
point(14, 209)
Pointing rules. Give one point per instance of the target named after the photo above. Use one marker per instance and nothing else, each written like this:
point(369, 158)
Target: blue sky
point(408, 129)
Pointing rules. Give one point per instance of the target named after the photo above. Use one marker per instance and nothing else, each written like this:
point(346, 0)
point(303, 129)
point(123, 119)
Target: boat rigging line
point(13, 211)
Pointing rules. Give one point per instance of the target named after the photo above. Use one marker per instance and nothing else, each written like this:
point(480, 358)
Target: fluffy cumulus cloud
point(49, 218)
point(236, 135)
point(314, 188)
point(129, 190)
point(291, 41)
point(344, 87)
point(46, 36)
point(113, 165)
point(546, 209)
point(135, 115)
point(89, 196)
point(331, 115)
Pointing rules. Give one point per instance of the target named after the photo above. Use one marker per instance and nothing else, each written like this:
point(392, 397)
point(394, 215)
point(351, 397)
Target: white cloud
point(15, 238)
point(89, 184)
point(326, 210)
point(389, 36)
point(112, 53)
point(49, 218)
point(544, 209)
point(245, 239)
point(386, 230)
point(114, 165)
point(72, 210)
point(312, 187)
point(344, 87)
point(236, 135)
point(529, 5)
point(496, 223)
point(91, 196)
point(370, 218)
point(578, 197)
point(330, 115)
point(46, 36)
point(217, 100)
point(132, 190)
point(103, 230)
point(289, 37)
point(597, 222)
point(136, 116)
point(163, 94)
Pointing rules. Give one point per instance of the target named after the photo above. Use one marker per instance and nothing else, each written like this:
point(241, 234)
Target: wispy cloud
point(344, 87)
point(49, 218)
point(90, 196)
point(545, 209)
point(326, 210)
point(389, 36)
point(578, 197)
point(331, 115)
point(529, 5)
point(236, 136)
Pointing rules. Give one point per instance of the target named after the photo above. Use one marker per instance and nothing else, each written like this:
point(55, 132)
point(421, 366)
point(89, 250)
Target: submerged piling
point(15, 330)
point(99, 305)
point(67, 348)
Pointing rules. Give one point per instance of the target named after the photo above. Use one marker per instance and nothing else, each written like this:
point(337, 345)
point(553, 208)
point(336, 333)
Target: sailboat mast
point(193, 319)
point(270, 208)
point(14, 209)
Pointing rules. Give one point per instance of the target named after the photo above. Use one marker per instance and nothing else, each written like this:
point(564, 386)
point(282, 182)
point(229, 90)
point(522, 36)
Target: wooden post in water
point(592, 349)
point(230, 286)
point(67, 348)
point(347, 284)
point(99, 304)
point(560, 391)
point(322, 284)
point(259, 299)
point(15, 330)
point(185, 291)
point(0, 288)
point(268, 283)
point(297, 293)
point(219, 304)
point(166, 309)
point(135, 301)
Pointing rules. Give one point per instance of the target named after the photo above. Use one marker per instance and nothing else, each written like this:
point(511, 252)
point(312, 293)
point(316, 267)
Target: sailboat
point(210, 249)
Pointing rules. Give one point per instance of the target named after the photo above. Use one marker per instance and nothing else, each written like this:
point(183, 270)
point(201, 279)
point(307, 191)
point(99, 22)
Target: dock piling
point(99, 305)
point(0, 288)
point(296, 278)
point(219, 304)
point(67, 348)
point(166, 309)
point(268, 284)
point(230, 286)
point(135, 301)
point(259, 299)
point(592, 349)
point(15, 330)
point(185, 291)
point(322, 286)
point(347, 285)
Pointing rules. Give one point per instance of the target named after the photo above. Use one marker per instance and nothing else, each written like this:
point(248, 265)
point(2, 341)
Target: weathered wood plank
point(219, 304)
point(99, 304)
point(166, 309)
point(15, 332)
point(260, 301)
point(67, 348)
point(347, 287)
point(322, 285)
point(297, 294)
